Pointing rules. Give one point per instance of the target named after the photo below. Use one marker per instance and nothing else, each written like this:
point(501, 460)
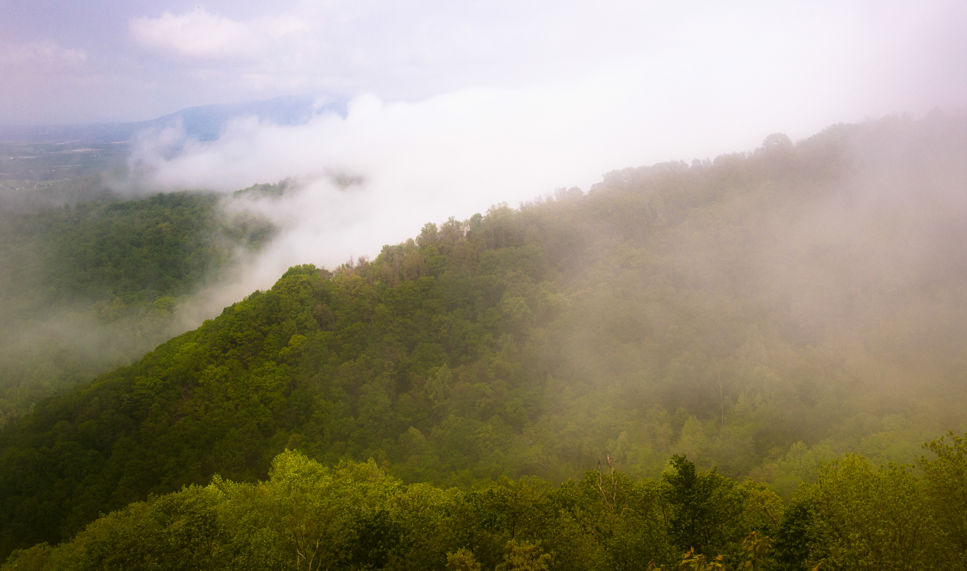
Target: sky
point(456, 105)
point(125, 60)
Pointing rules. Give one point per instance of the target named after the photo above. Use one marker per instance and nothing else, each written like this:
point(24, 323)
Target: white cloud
point(449, 155)
point(197, 34)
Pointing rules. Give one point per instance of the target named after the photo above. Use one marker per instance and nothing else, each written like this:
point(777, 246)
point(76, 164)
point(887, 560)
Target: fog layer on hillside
point(379, 173)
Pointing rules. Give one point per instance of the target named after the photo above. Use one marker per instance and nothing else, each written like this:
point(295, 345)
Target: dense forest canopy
point(762, 313)
point(355, 515)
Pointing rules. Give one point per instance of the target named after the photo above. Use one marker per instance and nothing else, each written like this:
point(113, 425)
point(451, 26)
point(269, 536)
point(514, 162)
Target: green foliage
point(856, 516)
point(462, 560)
point(756, 552)
point(699, 562)
point(524, 556)
point(672, 309)
point(131, 251)
point(945, 479)
point(608, 520)
point(795, 536)
point(706, 508)
point(355, 515)
point(103, 277)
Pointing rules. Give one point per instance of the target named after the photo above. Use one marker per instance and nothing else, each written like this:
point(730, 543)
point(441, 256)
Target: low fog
point(377, 174)
point(864, 261)
point(453, 110)
point(450, 112)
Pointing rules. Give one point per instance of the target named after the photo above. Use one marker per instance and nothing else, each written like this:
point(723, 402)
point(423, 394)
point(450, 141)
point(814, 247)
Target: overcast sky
point(118, 60)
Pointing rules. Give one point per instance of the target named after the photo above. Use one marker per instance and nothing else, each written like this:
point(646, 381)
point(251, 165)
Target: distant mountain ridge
point(32, 157)
point(203, 122)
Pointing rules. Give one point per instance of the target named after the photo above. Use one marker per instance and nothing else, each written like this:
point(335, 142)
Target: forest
point(355, 515)
point(91, 284)
point(725, 364)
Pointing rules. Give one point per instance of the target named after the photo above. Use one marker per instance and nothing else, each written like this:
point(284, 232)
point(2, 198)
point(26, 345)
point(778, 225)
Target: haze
point(784, 283)
point(454, 107)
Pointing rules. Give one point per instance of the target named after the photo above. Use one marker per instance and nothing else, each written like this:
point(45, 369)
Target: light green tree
point(870, 518)
point(945, 480)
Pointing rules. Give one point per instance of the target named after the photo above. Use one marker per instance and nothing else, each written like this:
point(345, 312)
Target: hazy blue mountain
point(206, 122)
point(67, 162)
point(203, 122)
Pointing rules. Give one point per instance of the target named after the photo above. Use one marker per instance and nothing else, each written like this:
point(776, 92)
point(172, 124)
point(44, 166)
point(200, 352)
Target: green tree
point(462, 560)
point(945, 480)
point(705, 508)
point(870, 518)
point(524, 556)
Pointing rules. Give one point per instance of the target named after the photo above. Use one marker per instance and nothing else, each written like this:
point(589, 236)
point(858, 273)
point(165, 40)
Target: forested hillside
point(92, 285)
point(762, 313)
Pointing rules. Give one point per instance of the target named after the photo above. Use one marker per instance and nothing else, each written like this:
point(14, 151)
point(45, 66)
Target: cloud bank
point(450, 155)
point(476, 107)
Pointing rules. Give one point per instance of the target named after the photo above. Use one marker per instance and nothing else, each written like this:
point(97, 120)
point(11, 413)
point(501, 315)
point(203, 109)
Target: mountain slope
point(761, 312)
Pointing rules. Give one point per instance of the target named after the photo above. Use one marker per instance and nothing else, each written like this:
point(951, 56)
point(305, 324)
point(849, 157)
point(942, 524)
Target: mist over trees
point(762, 314)
point(92, 284)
